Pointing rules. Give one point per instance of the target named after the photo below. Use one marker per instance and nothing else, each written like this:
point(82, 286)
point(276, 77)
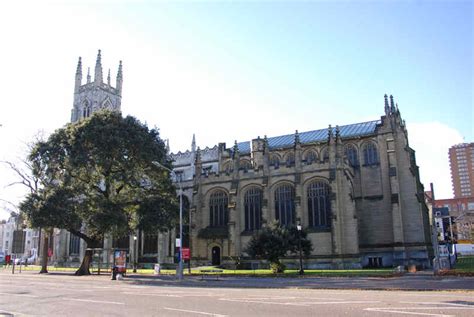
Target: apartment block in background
point(461, 158)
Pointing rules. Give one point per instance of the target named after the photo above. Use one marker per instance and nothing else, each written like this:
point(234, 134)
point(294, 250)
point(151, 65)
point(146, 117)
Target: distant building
point(461, 211)
point(461, 157)
point(28, 242)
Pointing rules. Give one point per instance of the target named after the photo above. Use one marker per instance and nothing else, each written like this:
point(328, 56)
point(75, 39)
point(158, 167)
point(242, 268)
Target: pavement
point(420, 281)
point(63, 294)
point(408, 282)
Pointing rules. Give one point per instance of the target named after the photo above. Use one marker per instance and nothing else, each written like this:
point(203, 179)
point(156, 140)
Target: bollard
point(114, 273)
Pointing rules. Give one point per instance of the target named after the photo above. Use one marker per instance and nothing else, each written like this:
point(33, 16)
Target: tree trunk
point(86, 262)
point(44, 258)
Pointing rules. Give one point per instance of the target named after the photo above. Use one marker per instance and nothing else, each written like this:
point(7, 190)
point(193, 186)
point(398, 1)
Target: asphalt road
point(31, 294)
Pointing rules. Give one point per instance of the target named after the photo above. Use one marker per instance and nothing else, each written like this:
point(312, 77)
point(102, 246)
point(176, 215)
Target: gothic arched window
point(245, 165)
point(311, 157)
point(150, 243)
point(74, 244)
point(218, 203)
point(351, 154)
point(275, 161)
point(371, 156)
point(228, 167)
point(285, 204)
point(319, 206)
point(325, 155)
point(253, 209)
point(290, 159)
point(186, 221)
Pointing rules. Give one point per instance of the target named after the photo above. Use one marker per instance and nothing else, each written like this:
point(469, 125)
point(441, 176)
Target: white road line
point(342, 302)
point(306, 304)
point(153, 294)
point(441, 303)
point(391, 310)
point(195, 312)
point(92, 301)
point(22, 295)
point(261, 302)
point(14, 313)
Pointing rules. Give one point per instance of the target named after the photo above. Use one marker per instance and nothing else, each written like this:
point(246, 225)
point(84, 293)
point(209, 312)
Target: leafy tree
point(101, 179)
point(274, 241)
point(33, 182)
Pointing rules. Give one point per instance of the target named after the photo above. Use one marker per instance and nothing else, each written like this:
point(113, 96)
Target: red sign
point(120, 261)
point(186, 253)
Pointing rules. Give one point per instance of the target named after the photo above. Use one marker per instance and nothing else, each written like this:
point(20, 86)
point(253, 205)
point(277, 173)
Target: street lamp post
point(180, 262)
point(436, 262)
point(298, 227)
point(135, 255)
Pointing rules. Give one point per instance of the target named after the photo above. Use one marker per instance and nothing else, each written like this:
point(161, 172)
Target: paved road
point(31, 294)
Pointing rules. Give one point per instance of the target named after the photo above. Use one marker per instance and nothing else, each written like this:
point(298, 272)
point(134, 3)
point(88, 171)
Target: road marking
point(305, 304)
point(391, 310)
point(195, 312)
point(13, 313)
point(343, 302)
point(442, 303)
point(261, 302)
point(22, 295)
point(93, 301)
point(152, 294)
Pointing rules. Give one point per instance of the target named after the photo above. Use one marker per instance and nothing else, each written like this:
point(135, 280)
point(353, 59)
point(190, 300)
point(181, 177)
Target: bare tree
point(33, 183)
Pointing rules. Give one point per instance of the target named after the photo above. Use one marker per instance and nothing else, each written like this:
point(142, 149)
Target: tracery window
point(351, 154)
point(290, 159)
point(245, 165)
point(186, 221)
point(253, 209)
point(275, 161)
point(285, 204)
point(74, 244)
point(121, 243)
point(370, 154)
point(325, 155)
point(311, 157)
point(228, 167)
point(319, 206)
point(218, 205)
point(150, 243)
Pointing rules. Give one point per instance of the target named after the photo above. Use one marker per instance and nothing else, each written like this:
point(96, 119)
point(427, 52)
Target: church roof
point(345, 131)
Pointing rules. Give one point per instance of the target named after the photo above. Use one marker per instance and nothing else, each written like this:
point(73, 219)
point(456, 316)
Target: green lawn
point(260, 272)
point(464, 264)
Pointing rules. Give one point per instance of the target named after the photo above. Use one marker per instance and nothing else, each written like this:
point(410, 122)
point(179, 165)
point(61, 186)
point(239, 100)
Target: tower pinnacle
point(98, 70)
point(78, 75)
point(119, 81)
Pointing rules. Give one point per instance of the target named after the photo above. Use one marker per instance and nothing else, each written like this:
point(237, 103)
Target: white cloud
point(431, 141)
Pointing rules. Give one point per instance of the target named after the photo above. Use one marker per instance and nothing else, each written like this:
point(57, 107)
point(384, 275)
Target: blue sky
point(237, 70)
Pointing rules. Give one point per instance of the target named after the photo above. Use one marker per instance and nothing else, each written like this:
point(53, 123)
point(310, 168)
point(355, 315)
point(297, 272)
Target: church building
point(355, 189)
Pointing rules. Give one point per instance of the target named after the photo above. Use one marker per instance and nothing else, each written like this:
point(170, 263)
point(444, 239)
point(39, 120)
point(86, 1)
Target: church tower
point(96, 95)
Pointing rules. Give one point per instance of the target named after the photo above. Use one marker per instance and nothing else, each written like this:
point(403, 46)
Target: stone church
point(355, 189)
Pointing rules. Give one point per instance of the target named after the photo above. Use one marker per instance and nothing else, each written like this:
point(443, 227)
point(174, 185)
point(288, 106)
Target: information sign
point(186, 253)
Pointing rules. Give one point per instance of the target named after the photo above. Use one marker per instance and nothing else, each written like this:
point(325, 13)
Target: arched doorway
point(216, 256)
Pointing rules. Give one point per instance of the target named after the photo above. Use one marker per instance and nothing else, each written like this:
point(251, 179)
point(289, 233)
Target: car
point(21, 261)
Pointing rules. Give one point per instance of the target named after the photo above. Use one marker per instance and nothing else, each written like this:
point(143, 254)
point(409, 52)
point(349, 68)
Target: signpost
point(186, 253)
point(120, 261)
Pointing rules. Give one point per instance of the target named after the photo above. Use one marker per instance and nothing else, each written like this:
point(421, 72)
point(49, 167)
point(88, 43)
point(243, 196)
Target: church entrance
point(216, 256)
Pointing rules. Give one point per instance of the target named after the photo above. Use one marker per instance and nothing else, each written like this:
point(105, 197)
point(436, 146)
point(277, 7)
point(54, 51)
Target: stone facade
point(375, 203)
point(355, 188)
point(95, 95)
